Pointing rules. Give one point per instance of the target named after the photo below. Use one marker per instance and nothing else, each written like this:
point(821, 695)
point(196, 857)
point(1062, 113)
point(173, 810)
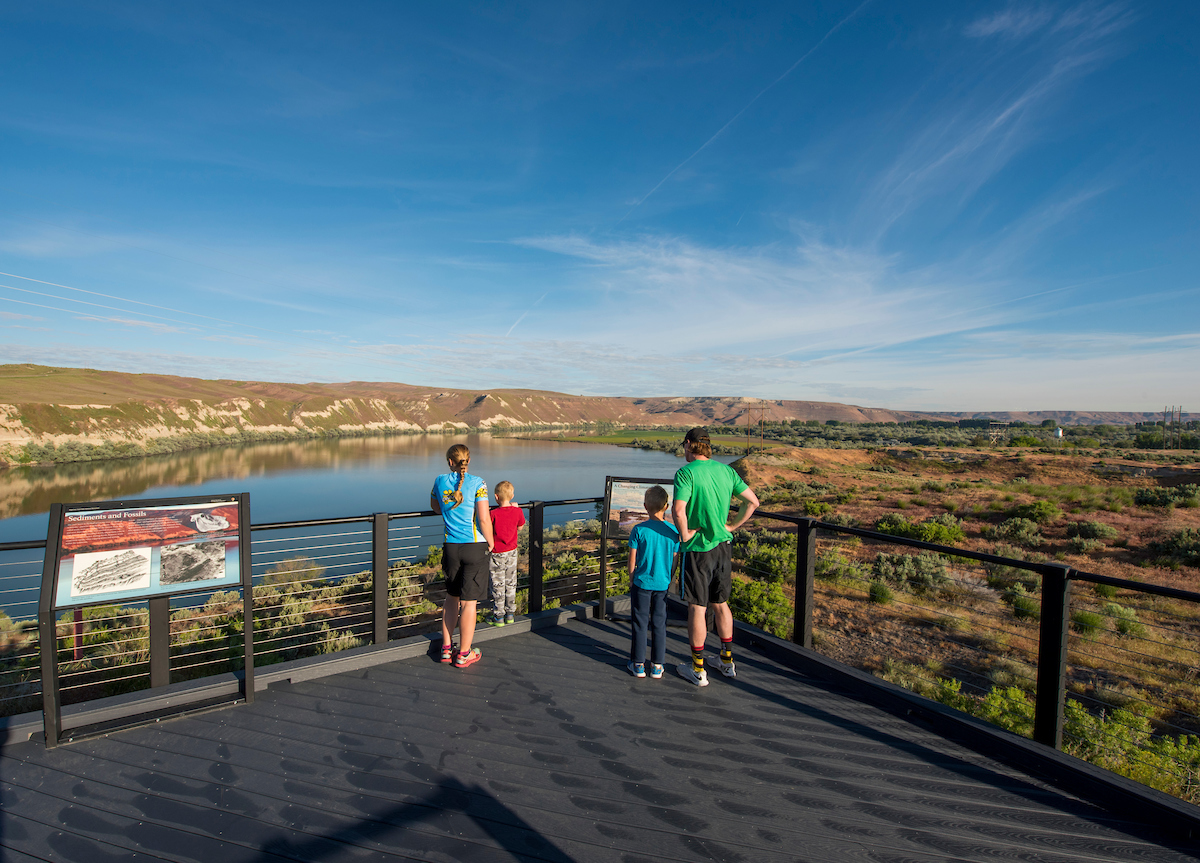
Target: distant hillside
point(43, 405)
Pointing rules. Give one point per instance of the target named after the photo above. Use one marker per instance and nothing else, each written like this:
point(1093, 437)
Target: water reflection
point(322, 478)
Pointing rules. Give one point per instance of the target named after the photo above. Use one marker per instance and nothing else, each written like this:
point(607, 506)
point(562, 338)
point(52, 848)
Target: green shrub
point(1023, 531)
point(1010, 708)
point(764, 605)
point(1091, 530)
point(1079, 545)
point(1183, 547)
point(1087, 622)
point(295, 570)
point(766, 554)
point(833, 566)
point(879, 592)
point(943, 529)
point(1167, 496)
point(1041, 511)
point(816, 508)
point(1125, 619)
point(1024, 607)
point(1104, 591)
point(919, 573)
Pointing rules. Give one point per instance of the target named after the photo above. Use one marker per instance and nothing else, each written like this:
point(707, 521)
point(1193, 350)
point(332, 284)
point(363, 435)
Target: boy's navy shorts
point(707, 575)
point(465, 565)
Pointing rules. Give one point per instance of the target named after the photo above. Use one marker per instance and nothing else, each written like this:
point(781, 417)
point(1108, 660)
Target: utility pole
point(762, 409)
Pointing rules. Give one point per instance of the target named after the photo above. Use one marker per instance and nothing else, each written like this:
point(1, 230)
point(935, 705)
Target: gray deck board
point(547, 750)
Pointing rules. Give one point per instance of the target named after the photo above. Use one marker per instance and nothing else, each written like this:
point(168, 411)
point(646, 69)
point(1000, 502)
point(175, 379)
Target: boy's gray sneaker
point(496, 619)
point(508, 618)
point(726, 667)
point(688, 673)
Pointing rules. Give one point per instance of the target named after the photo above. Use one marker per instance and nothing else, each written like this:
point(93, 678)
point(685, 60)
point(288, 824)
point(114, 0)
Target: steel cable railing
point(1127, 686)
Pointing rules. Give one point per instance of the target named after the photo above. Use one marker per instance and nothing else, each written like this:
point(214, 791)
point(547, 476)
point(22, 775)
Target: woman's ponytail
point(459, 457)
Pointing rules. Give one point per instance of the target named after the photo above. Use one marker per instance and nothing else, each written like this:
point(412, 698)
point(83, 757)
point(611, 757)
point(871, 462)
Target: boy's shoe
point(726, 667)
point(447, 653)
point(637, 669)
point(496, 619)
point(508, 618)
point(689, 674)
point(656, 671)
point(465, 659)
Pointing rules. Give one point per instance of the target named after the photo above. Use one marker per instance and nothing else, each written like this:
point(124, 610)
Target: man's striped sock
point(698, 658)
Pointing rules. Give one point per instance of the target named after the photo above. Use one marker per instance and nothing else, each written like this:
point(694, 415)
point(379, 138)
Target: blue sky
point(934, 205)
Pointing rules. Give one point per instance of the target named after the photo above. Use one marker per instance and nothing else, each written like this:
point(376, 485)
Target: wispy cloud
point(1013, 23)
point(152, 326)
point(996, 113)
point(807, 298)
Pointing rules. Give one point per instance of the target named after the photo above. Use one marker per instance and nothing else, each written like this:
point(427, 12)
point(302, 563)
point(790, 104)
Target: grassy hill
point(62, 414)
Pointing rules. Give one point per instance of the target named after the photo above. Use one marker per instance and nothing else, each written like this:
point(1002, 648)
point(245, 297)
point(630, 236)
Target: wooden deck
point(547, 750)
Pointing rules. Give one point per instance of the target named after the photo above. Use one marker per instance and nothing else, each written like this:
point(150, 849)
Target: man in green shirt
point(703, 491)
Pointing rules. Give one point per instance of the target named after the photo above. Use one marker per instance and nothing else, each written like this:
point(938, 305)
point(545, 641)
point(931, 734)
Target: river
point(323, 478)
point(308, 480)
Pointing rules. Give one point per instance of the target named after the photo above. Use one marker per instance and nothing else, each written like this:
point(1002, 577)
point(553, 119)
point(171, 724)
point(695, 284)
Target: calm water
point(323, 479)
point(311, 480)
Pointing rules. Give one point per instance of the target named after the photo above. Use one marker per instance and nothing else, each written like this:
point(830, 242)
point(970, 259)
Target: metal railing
point(1103, 668)
point(320, 586)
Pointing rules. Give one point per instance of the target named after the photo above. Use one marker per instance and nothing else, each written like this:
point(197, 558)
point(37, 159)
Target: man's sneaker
point(465, 659)
point(656, 671)
point(496, 619)
point(508, 618)
point(689, 674)
point(726, 667)
point(447, 653)
point(637, 669)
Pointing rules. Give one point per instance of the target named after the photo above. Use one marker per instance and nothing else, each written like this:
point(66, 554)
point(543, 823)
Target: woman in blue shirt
point(462, 499)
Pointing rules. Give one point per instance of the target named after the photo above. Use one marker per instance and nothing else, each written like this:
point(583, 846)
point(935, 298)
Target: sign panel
point(625, 503)
point(120, 551)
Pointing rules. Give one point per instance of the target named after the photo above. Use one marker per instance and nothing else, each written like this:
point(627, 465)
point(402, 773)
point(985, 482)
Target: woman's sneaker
point(447, 653)
point(637, 669)
point(656, 671)
point(689, 674)
point(465, 659)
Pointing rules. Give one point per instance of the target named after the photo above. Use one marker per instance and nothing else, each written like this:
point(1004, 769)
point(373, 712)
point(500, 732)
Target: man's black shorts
point(707, 575)
point(465, 565)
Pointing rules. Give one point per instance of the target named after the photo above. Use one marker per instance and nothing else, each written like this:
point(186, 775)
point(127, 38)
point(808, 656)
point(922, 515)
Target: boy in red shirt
point(507, 520)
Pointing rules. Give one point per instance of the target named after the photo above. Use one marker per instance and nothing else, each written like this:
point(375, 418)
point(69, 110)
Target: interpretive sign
point(625, 503)
point(122, 551)
point(126, 550)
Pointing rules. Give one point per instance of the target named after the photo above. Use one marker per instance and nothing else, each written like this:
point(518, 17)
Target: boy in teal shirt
point(653, 545)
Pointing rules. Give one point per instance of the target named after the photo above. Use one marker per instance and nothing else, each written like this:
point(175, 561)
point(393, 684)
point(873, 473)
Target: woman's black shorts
point(465, 565)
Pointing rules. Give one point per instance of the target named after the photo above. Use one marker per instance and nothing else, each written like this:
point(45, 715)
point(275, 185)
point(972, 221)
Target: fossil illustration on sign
point(101, 573)
point(192, 561)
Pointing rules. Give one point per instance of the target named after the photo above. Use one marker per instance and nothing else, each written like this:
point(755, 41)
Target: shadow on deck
point(547, 750)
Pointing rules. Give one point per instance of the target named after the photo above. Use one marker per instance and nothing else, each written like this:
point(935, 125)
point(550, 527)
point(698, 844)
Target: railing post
point(537, 515)
point(602, 608)
point(159, 621)
point(379, 578)
point(806, 567)
point(1052, 655)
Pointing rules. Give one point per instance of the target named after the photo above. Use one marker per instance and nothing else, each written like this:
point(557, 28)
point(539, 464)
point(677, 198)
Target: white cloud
point(1012, 23)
